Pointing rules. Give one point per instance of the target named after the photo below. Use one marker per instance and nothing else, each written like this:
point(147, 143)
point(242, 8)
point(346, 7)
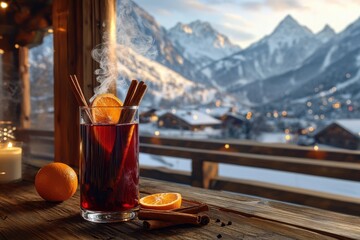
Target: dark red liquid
point(109, 167)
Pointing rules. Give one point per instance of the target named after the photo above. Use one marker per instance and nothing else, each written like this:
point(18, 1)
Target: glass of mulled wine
point(109, 163)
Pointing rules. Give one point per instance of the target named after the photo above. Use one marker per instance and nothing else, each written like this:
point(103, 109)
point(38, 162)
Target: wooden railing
point(205, 156)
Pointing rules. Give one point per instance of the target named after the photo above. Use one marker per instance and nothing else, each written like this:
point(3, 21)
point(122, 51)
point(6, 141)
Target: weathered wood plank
point(334, 224)
point(348, 171)
point(327, 201)
point(24, 213)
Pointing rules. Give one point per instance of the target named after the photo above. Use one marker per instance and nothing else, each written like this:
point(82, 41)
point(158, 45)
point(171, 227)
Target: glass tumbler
point(109, 163)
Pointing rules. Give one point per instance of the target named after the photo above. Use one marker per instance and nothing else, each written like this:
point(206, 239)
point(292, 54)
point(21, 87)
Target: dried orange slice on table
point(103, 111)
point(161, 201)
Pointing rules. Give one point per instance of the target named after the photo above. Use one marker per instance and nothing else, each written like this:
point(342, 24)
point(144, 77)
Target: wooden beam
point(245, 146)
point(203, 172)
point(10, 85)
point(25, 83)
point(77, 30)
point(347, 171)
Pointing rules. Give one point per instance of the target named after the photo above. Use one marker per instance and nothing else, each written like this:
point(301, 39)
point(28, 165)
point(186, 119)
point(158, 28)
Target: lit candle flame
point(9, 145)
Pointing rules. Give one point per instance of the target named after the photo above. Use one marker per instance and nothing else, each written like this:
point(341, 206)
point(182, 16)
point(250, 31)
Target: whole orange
point(56, 182)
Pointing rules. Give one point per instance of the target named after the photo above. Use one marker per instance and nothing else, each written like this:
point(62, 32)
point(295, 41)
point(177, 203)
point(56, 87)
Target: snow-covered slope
point(201, 43)
point(166, 87)
point(331, 74)
point(140, 27)
point(326, 34)
point(284, 49)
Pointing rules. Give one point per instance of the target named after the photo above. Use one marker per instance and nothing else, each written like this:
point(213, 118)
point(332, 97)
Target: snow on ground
point(321, 184)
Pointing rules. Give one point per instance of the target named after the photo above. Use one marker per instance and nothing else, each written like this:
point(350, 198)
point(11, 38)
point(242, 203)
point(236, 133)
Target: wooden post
point(78, 28)
point(25, 83)
point(203, 172)
point(10, 87)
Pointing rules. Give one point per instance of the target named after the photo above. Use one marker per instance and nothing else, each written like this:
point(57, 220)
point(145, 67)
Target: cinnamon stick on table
point(155, 223)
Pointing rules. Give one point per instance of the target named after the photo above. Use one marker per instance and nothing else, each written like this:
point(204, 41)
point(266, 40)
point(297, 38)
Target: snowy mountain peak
point(326, 34)
point(200, 42)
point(290, 26)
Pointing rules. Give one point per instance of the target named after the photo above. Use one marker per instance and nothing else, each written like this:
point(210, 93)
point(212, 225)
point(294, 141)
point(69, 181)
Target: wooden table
point(24, 215)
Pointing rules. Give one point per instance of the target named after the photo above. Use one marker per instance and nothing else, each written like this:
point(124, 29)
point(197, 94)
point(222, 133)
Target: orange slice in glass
point(106, 110)
point(161, 201)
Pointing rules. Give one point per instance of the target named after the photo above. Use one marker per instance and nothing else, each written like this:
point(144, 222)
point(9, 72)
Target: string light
point(227, 146)
point(157, 133)
point(3, 5)
point(50, 30)
point(16, 45)
point(316, 147)
point(2, 51)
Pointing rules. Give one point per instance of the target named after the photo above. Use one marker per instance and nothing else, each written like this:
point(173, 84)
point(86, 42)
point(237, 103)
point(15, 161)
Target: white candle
point(10, 162)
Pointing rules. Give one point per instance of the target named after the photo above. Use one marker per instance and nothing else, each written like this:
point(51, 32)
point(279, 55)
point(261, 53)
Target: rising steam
point(131, 35)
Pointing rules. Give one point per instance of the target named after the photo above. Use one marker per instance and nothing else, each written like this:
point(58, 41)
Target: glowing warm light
point(287, 137)
point(16, 45)
point(336, 105)
point(311, 129)
point(2, 51)
point(50, 30)
point(276, 114)
point(227, 146)
point(161, 123)
point(154, 118)
point(249, 115)
point(157, 133)
point(9, 145)
point(2, 173)
point(3, 5)
point(218, 103)
point(284, 113)
point(304, 131)
point(316, 147)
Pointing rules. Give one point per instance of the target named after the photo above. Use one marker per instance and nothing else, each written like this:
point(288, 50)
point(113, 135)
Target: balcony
point(207, 155)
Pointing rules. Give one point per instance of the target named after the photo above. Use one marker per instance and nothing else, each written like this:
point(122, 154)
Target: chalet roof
point(216, 111)
point(235, 115)
point(194, 117)
point(351, 125)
